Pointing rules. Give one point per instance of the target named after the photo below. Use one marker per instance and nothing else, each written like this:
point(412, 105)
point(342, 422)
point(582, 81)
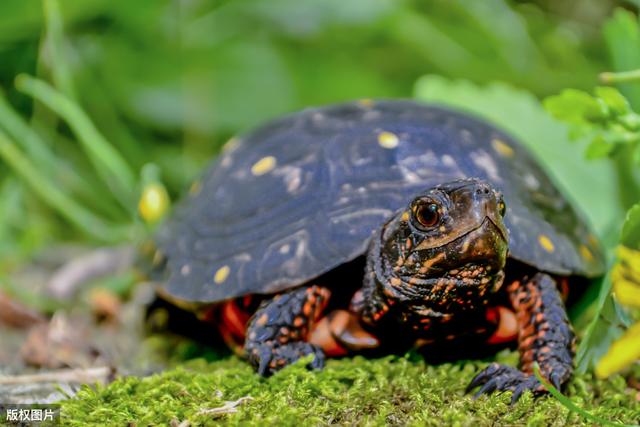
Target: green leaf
point(618, 134)
point(608, 324)
point(630, 121)
point(614, 99)
point(571, 106)
point(598, 148)
point(630, 236)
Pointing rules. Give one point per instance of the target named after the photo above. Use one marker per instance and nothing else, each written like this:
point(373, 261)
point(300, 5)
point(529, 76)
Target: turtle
point(376, 225)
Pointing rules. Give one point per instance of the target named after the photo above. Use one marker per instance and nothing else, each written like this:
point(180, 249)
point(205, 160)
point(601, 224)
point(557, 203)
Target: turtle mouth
point(499, 226)
point(486, 225)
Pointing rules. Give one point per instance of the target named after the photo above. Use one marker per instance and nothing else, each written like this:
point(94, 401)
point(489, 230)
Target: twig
point(228, 408)
point(78, 376)
point(102, 262)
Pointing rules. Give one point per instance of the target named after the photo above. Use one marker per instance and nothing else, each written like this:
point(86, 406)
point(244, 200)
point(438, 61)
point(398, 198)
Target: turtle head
point(446, 251)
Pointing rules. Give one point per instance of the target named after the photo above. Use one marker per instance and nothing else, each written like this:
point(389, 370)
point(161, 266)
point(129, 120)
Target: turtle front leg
point(544, 337)
point(277, 333)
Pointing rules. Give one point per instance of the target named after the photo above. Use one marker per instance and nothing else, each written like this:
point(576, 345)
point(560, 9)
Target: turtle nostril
point(483, 190)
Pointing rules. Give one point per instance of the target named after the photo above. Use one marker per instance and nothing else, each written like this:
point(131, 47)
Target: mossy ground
point(392, 390)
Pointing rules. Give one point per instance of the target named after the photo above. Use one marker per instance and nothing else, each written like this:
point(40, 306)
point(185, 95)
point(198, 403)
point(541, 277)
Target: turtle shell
point(303, 194)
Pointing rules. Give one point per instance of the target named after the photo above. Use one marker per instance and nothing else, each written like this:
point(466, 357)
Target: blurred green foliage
point(167, 82)
point(611, 128)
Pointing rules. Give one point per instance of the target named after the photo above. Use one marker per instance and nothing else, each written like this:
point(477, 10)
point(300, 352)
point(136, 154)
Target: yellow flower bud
point(153, 203)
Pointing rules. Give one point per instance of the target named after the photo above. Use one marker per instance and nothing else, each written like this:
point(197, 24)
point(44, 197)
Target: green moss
point(392, 390)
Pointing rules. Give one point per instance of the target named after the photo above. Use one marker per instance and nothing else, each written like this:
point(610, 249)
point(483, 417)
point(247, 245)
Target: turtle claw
point(266, 355)
point(504, 378)
point(482, 377)
point(270, 359)
point(517, 392)
point(556, 380)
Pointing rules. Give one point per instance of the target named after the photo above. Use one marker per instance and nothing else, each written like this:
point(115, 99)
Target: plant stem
point(621, 77)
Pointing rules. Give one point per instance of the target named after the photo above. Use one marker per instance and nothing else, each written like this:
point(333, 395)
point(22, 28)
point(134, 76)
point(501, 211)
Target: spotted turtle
point(378, 225)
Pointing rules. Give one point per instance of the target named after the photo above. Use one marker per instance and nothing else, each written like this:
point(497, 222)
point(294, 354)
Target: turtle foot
point(269, 359)
point(505, 378)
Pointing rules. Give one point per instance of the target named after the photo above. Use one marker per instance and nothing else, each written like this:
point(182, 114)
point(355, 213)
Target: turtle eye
point(502, 208)
point(426, 213)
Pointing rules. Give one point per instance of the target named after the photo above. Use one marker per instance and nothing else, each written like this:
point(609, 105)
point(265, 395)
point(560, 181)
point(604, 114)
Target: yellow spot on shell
point(222, 274)
point(264, 165)
point(388, 140)
point(546, 243)
point(230, 144)
point(366, 102)
point(502, 147)
point(405, 216)
point(586, 253)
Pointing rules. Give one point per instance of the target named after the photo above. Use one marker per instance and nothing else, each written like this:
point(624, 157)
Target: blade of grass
point(568, 403)
point(35, 147)
point(53, 196)
point(40, 153)
point(54, 47)
point(99, 103)
point(111, 166)
point(54, 44)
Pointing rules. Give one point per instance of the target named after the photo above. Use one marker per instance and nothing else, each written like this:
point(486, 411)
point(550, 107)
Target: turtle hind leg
point(277, 333)
point(545, 337)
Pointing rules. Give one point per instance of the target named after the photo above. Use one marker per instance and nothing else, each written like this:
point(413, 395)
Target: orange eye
point(426, 214)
